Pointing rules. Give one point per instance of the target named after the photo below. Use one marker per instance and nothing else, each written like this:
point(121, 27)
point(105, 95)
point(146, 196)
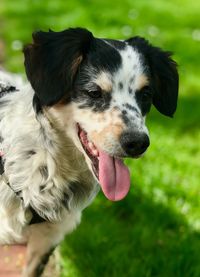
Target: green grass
point(155, 231)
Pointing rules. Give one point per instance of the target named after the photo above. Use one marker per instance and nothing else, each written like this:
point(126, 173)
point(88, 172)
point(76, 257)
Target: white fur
point(29, 144)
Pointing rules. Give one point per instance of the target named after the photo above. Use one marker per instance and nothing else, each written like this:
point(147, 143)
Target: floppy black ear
point(52, 60)
point(163, 73)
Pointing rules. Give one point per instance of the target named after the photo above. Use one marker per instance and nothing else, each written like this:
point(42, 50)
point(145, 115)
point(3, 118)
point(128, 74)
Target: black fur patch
point(50, 66)
point(36, 218)
point(97, 105)
point(103, 57)
point(125, 118)
point(43, 263)
point(51, 60)
point(1, 166)
point(163, 75)
point(42, 187)
point(37, 105)
point(130, 107)
point(6, 88)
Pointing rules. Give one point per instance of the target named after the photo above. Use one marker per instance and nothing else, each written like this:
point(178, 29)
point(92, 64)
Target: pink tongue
point(114, 177)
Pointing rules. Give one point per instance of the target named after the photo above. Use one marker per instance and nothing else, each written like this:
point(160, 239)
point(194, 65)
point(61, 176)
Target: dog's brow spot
point(103, 80)
point(120, 85)
point(142, 81)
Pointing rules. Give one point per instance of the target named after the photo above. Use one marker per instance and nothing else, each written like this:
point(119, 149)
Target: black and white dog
point(69, 129)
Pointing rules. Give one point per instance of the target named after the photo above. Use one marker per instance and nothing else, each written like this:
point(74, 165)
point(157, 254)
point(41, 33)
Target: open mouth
point(113, 175)
point(90, 149)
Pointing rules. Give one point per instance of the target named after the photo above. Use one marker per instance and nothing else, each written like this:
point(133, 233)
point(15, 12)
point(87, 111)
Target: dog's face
point(101, 90)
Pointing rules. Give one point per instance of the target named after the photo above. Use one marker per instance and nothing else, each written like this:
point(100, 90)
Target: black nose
point(134, 144)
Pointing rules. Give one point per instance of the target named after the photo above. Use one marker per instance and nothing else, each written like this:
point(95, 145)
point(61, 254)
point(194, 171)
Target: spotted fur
point(107, 87)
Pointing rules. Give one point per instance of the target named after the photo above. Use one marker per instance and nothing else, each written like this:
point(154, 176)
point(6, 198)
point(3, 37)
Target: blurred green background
point(155, 231)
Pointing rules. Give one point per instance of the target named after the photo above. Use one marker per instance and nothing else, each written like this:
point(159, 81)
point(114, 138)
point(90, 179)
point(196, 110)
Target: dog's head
point(101, 90)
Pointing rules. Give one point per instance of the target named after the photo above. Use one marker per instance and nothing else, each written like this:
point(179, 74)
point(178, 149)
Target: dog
point(64, 133)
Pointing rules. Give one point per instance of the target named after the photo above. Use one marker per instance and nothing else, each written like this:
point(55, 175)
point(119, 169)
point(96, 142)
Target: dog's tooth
point(95, 152)
point(90, 144)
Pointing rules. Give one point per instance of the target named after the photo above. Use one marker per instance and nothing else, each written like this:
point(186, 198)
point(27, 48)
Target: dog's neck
point(71, 159)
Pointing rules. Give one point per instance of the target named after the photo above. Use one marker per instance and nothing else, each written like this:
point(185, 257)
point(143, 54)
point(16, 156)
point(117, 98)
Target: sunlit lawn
point(155, 231)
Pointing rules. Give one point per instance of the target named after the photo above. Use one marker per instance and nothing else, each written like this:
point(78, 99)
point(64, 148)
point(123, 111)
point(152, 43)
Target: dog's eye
point(97, 93)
